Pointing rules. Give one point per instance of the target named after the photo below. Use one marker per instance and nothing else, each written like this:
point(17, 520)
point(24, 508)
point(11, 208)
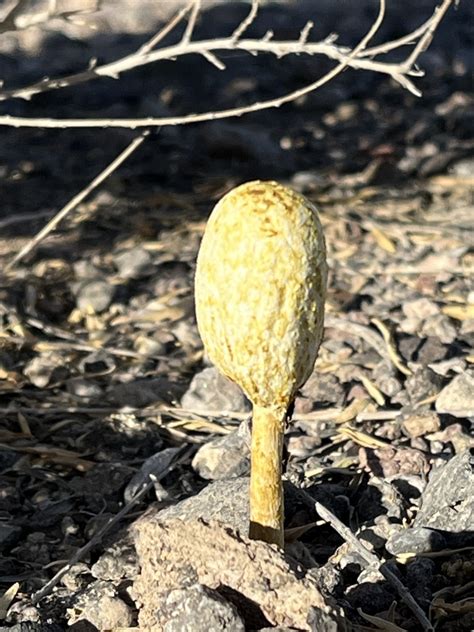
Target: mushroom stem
point(266, 488)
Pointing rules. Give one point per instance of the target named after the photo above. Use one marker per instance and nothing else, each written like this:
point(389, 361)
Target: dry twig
point(79, 554)
point(361, 57)
point(372, 560)
point(77, 199)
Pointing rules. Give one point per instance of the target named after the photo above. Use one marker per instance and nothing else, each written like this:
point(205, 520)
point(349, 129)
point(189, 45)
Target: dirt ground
point(103, 378)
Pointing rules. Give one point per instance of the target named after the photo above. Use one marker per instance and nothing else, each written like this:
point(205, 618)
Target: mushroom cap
point(260, 289)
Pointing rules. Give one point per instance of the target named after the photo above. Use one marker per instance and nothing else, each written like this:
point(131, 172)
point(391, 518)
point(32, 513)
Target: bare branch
point(77, 199)
point(162, 33)
point(192, 22)
point(426, 38)
point(243, 26)
point(214, 60)
point(304, 34)
point(357, 59)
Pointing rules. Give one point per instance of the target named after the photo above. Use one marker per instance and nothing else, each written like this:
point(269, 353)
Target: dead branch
point(373, 561)
point(361, 58)
point(77, 199)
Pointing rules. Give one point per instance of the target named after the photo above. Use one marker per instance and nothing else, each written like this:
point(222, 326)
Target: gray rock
point(119, 561)
point(420, 308)
point(96, 295)
point(463, 168)
point(415, 540)
point(198, 609)
point(100, 605)
point(225, 457)
point(323, 387)
point(447, 499)
point(44, 369)
point(210, 390)
point(440, 326)
point(134, 264)
point(457, 398)
point(225, 500)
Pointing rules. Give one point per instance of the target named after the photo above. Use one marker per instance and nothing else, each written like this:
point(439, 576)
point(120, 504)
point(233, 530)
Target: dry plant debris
point(260, 290)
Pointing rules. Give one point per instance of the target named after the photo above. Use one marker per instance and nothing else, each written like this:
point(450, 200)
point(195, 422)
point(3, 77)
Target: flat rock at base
point(457, 398)
point(225, 501)
point(257, 577)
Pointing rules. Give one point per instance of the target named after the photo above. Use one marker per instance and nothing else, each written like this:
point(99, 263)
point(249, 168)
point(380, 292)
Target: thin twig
point(372, 560)
point(243, 26)
point(326, 415)
point(191, 22)
point(48, 587)
point(162, 33)
point(77, 199)
point(426, 38)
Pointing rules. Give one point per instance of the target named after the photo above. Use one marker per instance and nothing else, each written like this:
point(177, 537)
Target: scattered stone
point(197, 609)
point(457, 365)
point(420, 308)
point(389, 462)
point(223, 500)
point(95, 295)
point(415, 540)
point(100, 605)
point(422, 385)
point(118, 561)
point(432, 350)
point(134, 264)
point(210, 390)
point(440, 326)
point(321, 388)
point(447, 500)
point(45, 368)
point(457, 398)
point(83, 388)
point(225, 457)
point(419, 425)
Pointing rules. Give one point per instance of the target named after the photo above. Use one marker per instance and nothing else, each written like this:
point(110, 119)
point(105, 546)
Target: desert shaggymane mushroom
point(260, 289)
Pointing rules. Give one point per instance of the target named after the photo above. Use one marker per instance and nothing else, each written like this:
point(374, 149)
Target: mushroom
point(260, 289)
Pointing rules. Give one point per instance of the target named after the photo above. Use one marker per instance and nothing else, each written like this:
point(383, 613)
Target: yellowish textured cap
point(260, 289)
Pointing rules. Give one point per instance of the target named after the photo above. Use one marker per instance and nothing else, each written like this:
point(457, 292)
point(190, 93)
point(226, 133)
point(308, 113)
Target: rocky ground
point(103, 380)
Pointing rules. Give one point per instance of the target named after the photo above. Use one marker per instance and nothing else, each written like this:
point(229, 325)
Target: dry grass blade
point(7, 598)
point(391, 348)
